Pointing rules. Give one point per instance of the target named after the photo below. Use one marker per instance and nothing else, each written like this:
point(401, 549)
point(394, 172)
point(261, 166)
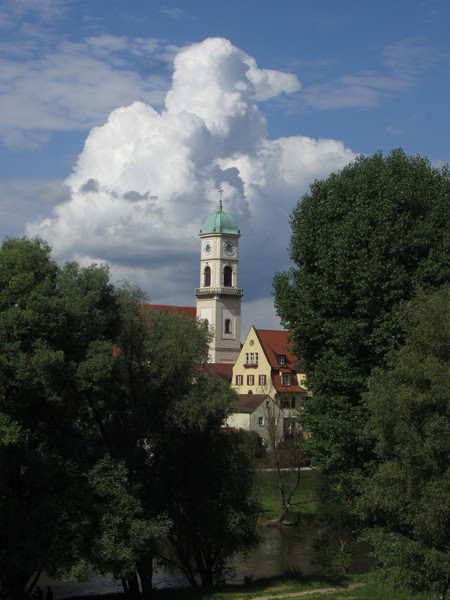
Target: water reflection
point(282, 550)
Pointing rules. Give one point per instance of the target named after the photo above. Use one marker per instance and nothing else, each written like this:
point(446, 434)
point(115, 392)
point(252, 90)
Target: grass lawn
point(354, 587)
point(358, 587)
point(303, 503)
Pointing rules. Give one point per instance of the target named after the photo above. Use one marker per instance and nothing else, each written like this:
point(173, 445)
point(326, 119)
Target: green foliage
point(211, 502)
point(110, 441)
point(122, 532)
point(9, 431)
point(335, 545)
point(44, 339)
point(362, 240)
point(204, 408)
point(163, 421)
point(407, 499)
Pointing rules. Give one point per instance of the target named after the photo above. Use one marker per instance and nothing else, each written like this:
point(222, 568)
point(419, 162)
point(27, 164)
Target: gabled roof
point(190, 311)
point(275, 343)
point(247, 403)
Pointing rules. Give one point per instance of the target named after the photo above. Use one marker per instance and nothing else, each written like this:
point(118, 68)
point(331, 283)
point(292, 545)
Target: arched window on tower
point(207, 277)
point(227, 328)
point(228, 276)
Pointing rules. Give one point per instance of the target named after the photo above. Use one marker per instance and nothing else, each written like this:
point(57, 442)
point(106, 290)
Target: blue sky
point(119, 119)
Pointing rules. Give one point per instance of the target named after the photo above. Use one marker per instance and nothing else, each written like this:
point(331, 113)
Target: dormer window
point(286, 379)
point(281, 359)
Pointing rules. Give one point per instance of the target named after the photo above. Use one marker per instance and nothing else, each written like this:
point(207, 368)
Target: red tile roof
point(286, 389)
point(222, 370)
point(276, 343)
point(247, 403)
point(190, 311)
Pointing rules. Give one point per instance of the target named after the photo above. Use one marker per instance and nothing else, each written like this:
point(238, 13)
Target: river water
point(282, 550)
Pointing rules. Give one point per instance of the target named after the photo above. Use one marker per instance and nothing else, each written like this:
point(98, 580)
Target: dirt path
point(306, 593)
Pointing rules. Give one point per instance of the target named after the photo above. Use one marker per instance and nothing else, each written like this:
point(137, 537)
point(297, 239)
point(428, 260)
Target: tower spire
point(220, 190)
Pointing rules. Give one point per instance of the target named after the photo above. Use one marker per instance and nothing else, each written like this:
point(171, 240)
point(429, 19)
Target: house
point(258, 412)
point(267, 366)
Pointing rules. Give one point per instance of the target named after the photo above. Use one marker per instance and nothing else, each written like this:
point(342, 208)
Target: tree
point(168, 422)
point(49, 318)
point(101, 406)
point(126, 387)
point(406, 501)
point(362, 240)
point(285, 459)
point(210, 486)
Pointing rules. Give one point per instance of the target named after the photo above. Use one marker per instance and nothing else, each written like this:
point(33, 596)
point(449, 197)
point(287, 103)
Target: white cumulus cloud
point(147, 178)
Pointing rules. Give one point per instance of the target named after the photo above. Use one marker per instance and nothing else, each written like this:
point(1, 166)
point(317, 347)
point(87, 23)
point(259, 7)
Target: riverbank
point(303, 503)
point(353, 587)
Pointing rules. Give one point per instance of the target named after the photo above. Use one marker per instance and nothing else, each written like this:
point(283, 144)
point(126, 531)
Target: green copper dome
point(219, 222)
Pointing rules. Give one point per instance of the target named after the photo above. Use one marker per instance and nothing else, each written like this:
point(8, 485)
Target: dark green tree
point(102, 410)
point(155, 362)
point(166, 425)
point(362, 240)
point(49, 319)
point(210, 484)
point(407, 499)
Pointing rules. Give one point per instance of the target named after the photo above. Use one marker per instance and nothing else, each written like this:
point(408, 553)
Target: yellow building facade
point(266, 366)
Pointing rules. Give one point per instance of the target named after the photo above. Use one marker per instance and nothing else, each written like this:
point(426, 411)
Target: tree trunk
point(145, 572)
point(205, 575)
point(202, 566)
point(33, 583)
point(130, 585)
point(281, 517)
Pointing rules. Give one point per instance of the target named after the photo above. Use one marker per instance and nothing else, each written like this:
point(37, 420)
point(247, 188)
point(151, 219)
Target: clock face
point(207, 247)
point(228, 248)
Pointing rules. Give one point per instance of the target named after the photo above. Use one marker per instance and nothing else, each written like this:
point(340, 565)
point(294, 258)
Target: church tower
point(218, 297)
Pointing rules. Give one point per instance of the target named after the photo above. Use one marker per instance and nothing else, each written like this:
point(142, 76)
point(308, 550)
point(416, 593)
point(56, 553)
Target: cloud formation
point(147, 178)
point(52, 86)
